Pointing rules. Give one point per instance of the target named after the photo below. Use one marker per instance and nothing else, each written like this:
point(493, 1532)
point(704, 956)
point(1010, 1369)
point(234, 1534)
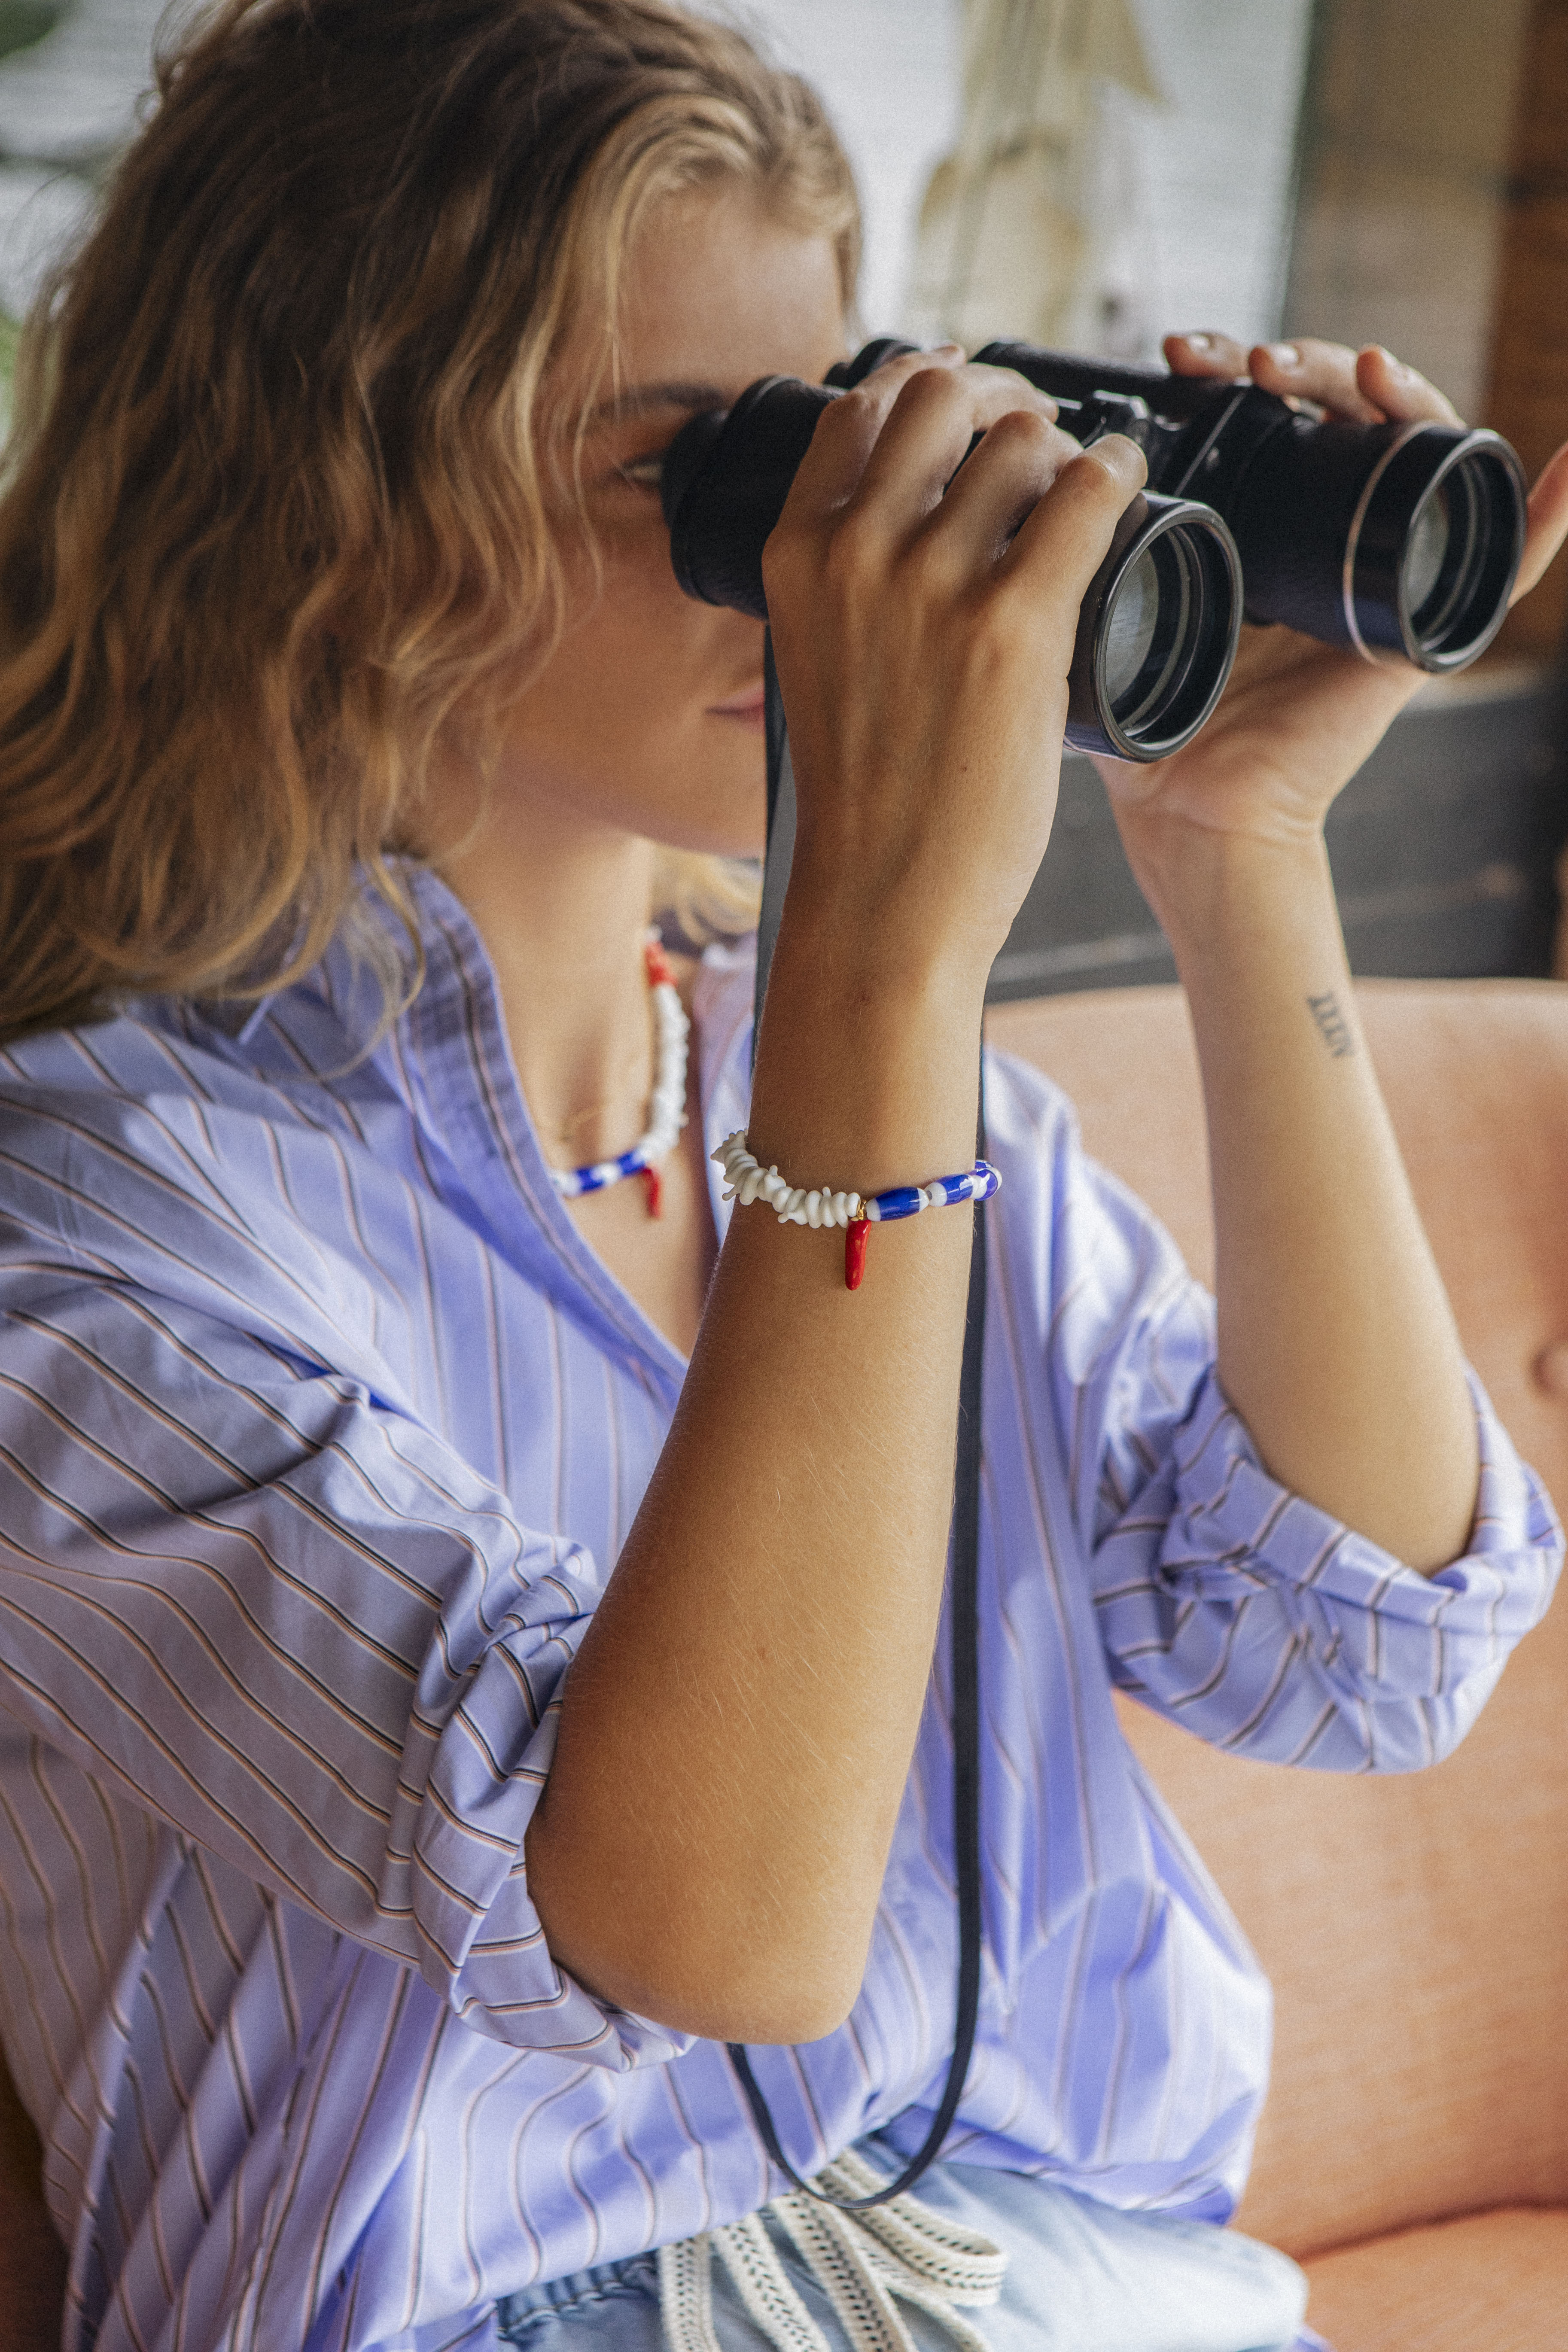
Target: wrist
point(888, 929)
point(868, 1063)
point(1215, 892)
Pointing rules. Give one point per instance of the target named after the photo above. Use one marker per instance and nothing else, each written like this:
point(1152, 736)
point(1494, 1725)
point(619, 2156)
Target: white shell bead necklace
point(666, 1109)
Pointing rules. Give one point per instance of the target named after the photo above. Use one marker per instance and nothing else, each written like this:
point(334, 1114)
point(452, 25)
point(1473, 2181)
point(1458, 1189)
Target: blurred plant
point(23, 22)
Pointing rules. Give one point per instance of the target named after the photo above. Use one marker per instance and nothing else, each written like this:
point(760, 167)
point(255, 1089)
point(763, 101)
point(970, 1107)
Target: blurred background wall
point(1392, 171)
point(1094, 171)
point(1206, 146)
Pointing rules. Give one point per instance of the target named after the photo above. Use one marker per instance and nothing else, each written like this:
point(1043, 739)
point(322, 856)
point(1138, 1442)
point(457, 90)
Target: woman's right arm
point(737, 1728)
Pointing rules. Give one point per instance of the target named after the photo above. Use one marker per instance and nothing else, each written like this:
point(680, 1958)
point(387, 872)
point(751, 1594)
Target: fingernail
point(1128, 462)
point(1198, 342)
point(1396, 367)
point(1285, 356)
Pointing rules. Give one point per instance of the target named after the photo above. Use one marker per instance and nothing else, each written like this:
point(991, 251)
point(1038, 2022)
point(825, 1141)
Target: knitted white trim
point(748, 2253)
point(861, 2261)
point(686, 2295)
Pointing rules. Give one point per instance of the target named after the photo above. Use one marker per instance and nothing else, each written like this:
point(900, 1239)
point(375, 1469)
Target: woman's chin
point(734, 831)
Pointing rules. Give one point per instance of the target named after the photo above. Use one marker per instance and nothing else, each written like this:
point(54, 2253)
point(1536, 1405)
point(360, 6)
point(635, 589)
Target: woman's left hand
point(1298, 718)
point(1337, 1346)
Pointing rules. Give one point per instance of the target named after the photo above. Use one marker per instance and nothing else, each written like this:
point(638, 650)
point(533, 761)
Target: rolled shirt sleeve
point(276, 1610)
point(1266, 1626)
point(1242, 1611)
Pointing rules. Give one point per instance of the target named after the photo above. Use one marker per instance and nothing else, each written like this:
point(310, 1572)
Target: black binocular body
point(1400, 539)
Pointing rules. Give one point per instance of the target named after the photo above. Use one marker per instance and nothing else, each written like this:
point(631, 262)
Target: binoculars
point(1401, 541)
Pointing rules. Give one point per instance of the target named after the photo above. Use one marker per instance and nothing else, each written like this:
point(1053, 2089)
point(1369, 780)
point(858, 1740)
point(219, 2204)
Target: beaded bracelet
point(857, 1213)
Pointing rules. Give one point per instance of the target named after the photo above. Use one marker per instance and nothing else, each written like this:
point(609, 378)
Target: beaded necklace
point(665, 1111)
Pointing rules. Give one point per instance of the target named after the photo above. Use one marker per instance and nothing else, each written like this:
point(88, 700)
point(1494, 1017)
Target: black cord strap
point(964, 1596)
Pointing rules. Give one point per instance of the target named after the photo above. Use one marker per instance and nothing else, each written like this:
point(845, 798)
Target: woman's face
point(647, 718)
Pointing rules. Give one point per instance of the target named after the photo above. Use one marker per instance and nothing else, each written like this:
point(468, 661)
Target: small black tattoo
point(1325, 1011)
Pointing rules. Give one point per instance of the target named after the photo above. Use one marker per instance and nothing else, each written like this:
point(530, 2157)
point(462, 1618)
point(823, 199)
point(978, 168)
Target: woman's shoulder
point(138, 1152)
point(1032, 1138)
point(157, 1083)
point(1027, 1107)
point(1075, 1237)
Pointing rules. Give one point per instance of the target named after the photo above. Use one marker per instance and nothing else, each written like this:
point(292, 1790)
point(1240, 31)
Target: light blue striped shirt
point(319, 1430)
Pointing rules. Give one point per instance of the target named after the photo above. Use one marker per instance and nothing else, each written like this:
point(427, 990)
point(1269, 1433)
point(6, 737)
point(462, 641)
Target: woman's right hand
point(923, 621)
point(736, 1732)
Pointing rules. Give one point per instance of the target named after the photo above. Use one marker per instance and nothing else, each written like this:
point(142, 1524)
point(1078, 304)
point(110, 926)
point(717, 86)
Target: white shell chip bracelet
point(856, 1213)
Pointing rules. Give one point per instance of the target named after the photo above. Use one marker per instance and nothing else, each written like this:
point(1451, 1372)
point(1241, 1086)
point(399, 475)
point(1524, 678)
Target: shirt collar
point(448, 1055)
point(446, 1058)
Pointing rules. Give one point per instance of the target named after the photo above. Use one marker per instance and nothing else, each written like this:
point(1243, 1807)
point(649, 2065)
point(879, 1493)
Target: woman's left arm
point(1336, 1341)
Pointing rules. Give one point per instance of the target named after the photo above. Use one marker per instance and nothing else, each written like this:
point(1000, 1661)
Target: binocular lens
point(1424, 553)
point(1153, 633)
point(1130, 633)
point(1443, 587)
point(1157, 632)
point(1433, 545)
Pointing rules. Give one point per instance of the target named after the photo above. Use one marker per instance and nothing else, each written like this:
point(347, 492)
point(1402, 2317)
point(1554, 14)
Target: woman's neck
point(563, 903)
point(563, 911)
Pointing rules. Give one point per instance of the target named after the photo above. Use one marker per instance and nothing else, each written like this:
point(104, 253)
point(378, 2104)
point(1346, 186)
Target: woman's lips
point(746, 708)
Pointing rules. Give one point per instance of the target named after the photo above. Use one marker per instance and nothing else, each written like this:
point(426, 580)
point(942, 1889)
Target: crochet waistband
point(866, 2264)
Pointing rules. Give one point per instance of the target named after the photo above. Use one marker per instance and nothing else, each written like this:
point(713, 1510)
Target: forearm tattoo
point(1333, 1026)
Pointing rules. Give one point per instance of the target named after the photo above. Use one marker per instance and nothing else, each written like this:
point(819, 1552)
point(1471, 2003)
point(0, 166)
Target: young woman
point(437, 1715)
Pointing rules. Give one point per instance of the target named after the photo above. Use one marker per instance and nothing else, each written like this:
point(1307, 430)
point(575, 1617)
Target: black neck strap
point(964, 1595)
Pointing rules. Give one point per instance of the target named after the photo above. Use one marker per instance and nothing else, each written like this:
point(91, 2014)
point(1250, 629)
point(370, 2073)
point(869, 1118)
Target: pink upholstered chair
point(1414, 2152)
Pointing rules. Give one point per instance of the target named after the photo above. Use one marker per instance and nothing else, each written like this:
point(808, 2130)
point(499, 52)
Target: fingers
point(1014, 467)
point(886, 528)
point(847, 430)
point(1303, 370)
point(1310, 370)
point(1064, 539)
point(917, 495)
point(1548, 522)
point(928, 431)
point(1398, 391)
point(897, 440)
point(1364, 387)
point(1205, 353)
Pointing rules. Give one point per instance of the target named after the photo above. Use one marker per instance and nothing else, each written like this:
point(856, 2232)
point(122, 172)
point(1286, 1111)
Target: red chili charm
point(659, 974)
point(655, 1184)
point(857, 1234)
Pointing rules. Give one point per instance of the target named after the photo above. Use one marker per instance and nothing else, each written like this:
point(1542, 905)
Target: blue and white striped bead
point(796, 1206)
point(571, 1183)
point(976, 1184)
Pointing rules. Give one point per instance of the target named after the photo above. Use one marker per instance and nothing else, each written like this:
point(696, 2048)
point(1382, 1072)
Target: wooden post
point(1527, 398)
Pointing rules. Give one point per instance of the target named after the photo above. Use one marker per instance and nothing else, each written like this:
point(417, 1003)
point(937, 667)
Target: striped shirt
point(321, 1429)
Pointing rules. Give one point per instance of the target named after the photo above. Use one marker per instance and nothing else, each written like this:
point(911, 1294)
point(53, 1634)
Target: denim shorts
point(1081, 2277)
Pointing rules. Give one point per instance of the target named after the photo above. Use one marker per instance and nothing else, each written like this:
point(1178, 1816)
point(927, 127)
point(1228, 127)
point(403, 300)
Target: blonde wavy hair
point(275, 512)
